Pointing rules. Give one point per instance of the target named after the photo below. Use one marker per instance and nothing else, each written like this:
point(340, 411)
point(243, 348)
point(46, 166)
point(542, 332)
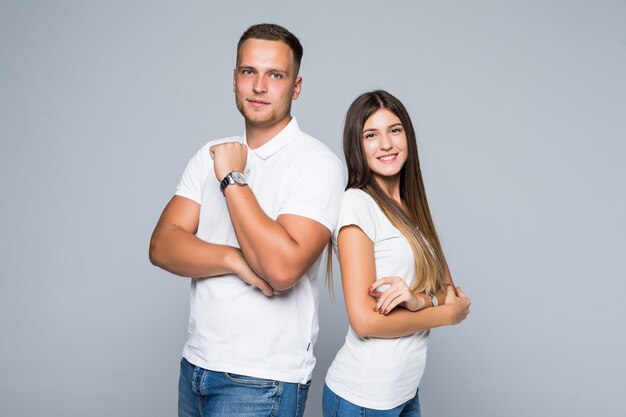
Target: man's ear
point(234, 78)
point(296, 88)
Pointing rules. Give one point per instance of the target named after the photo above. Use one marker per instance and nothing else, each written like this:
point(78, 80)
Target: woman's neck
point(391, 187)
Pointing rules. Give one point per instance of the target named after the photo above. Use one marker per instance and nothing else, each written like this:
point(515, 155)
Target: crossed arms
point(273, 254)
point(358, 272)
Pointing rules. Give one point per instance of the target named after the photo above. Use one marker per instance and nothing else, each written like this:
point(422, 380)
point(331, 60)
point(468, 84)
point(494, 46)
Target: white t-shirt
point(373, 372)
point(233, 327)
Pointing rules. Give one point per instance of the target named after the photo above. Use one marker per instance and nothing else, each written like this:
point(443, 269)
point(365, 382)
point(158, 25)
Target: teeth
point(387, 158)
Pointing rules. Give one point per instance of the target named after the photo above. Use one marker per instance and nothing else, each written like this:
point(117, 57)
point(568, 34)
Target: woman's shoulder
point(357, 195)
point(354, 197)
point(358, 209)
point(358, 202)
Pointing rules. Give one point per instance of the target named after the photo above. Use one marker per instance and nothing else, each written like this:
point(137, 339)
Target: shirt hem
point(270, 374)
point(367, 402)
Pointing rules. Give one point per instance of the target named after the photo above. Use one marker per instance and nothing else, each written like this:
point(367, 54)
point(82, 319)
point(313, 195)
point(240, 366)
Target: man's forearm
point(266, 245)
point(182, 253)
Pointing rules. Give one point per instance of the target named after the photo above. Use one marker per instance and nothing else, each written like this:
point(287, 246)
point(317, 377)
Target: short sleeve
point(195, 175)
point(316, 190)
point(357, 209)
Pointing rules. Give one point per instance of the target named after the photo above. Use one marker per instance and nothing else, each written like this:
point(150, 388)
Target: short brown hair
point(273, 32)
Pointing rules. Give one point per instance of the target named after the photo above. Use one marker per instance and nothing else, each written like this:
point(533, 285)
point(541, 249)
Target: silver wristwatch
point(433, 299)
point(232, 178)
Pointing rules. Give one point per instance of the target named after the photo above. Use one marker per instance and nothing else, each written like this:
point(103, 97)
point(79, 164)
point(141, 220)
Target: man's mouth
point(255, 102)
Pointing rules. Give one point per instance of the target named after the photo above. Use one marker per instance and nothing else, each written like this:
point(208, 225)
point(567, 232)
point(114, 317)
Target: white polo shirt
point(233, 327)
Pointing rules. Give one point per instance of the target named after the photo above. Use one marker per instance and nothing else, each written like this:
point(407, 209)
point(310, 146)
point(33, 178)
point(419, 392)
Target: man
point(248, 223)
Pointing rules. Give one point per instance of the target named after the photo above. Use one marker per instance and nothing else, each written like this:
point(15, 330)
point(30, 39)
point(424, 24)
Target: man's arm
point(280, 251)
point(358, 272)
point(175, 248)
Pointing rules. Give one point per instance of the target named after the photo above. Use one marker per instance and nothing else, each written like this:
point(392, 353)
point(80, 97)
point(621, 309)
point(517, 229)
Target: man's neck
point(257, 136)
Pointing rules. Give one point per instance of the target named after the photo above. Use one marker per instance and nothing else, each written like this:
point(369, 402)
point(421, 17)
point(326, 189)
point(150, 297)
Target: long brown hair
point(415, 222)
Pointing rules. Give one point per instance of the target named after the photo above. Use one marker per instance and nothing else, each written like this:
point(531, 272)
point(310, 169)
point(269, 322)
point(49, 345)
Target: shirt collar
point(278, 142)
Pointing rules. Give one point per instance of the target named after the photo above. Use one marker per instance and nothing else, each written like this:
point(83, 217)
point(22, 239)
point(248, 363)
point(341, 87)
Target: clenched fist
point(228, 157)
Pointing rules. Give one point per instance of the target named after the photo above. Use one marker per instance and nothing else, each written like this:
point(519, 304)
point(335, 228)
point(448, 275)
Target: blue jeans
point(335, 406)
point(220, 394)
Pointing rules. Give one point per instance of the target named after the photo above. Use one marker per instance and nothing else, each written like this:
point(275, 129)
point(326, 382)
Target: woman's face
point(384, 145)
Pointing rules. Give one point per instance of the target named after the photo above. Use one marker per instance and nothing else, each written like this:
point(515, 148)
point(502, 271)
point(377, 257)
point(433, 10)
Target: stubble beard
point(259, 118)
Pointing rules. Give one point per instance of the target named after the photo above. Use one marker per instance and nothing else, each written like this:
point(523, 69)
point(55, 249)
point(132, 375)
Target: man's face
point(265, 82)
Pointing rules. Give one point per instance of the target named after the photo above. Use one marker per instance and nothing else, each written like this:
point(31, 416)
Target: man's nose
point(259, 85)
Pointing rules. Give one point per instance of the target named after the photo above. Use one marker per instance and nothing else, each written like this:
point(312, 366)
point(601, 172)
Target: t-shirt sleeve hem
point(369, 234)
point(310, 215)
point(190, 195)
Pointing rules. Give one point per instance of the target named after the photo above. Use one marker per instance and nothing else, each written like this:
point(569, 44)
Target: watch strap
point(433, 299)
point(230, 180)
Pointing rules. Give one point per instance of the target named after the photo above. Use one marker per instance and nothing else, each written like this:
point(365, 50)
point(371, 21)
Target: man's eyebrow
point(277, 70)
point(249, 67)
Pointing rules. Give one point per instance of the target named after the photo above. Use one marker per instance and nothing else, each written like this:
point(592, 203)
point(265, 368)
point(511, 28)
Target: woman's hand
point(457, 304)
point(398, 294)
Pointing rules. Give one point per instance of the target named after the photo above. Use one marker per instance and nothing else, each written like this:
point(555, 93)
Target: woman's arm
point(358, 272)
point(399, 294)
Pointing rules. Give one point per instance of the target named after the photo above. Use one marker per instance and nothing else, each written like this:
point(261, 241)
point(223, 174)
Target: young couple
point(248, 223)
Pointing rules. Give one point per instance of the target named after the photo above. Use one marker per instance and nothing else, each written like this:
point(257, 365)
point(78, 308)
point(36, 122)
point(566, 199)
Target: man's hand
point(241, 268)
point(228, 157)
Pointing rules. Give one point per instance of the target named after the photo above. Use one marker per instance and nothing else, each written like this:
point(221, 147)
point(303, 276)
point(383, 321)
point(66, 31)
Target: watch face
point(239, 178)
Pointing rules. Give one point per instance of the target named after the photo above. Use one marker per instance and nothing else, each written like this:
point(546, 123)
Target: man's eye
point(246, 72)
point(275, 75)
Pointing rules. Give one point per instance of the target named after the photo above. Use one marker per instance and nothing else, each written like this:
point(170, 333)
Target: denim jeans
point(220, 394)
point(335, 406)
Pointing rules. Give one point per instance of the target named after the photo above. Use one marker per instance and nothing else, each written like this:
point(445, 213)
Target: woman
point(395, 279)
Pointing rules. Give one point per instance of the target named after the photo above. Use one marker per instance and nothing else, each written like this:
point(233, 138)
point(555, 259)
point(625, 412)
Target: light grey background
point(520, 110)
